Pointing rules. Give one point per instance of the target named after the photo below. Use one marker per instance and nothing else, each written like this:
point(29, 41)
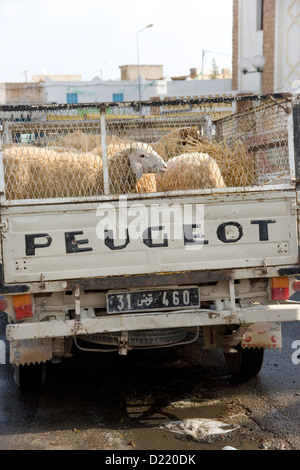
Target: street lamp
point(138, 60)
point(257, 62)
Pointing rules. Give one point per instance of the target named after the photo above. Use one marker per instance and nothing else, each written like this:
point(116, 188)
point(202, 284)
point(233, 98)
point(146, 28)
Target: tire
point(245, 363)
point(30, 376)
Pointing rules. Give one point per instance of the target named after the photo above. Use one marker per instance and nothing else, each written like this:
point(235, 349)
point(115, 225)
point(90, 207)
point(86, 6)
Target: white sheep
point(32, 173)
point(127, 167)
point(190, 171)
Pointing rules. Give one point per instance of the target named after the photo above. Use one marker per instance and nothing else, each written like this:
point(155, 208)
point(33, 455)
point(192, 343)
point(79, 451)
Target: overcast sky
point(94, 37)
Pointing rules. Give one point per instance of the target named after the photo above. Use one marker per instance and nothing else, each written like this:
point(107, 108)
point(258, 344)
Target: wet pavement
point(109, 402)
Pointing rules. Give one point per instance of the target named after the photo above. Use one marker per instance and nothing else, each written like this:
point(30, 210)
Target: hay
point(174, 143)
point(83, 142)
point(236, 165)
point(75, 140)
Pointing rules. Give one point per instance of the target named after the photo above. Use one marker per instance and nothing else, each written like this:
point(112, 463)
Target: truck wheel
point(30, 376)
point(245, 363)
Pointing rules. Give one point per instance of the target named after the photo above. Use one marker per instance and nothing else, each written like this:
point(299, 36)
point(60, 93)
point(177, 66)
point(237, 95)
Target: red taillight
point(296, 285)
point(280, 288)
point(3, 305)
point(22, 306)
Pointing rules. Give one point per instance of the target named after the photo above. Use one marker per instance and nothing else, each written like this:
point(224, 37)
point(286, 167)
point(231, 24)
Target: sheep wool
point(34, 173)
point(38, 173)
point(190, 171)
point(133, 168)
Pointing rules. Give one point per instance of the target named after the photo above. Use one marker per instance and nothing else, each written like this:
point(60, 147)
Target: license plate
point(153, 299)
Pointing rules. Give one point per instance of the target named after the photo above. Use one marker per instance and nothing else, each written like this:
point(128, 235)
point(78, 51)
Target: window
point(72, 98)
point(259, 14)
point(118, 97)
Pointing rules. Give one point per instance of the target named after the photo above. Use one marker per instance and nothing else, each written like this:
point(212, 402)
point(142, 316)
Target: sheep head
point(143, 159)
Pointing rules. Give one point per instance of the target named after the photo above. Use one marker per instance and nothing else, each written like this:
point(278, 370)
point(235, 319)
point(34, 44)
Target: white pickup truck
point(148, 269)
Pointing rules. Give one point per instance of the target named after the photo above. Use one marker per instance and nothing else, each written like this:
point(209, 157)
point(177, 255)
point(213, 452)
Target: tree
point(215, 70)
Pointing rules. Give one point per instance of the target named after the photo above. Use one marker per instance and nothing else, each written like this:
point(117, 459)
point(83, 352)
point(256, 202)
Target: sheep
point(32, 173)
point(147, 183)
point(190, 171)
point(127, 167)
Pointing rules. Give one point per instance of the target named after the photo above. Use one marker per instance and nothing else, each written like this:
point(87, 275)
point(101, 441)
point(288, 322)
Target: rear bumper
point(129, 322)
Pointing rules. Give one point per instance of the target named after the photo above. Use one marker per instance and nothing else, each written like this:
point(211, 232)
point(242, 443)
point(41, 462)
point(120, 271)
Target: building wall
point(235, 44)
point(278, 42)
point(24, 93)
point(97, 90)
point(287, 41)
point(2, 93)
point(269, 16)
point(149, 72)
point(247, 41)
point(54, 77)
point(192, 88)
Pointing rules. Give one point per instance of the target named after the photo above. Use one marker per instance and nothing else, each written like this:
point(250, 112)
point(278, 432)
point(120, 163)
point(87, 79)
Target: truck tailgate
point(214, 231)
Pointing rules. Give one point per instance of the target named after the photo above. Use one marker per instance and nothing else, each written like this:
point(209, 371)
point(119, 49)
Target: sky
point(95, 37)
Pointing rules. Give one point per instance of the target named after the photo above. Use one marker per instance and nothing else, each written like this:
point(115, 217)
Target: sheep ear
point(136, 167)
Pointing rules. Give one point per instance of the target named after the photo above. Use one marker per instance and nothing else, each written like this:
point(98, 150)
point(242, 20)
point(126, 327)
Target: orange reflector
point(280, 288)
point(22, 306)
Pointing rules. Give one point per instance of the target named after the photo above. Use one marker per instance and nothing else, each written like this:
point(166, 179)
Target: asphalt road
point(112, 403)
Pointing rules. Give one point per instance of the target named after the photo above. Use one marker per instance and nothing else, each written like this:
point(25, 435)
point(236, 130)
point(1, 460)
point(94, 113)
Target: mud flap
point(30, 351)
point(262, 335)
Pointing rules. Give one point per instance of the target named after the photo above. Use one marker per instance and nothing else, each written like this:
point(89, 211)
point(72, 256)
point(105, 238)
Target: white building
point(270, 28)
point(97, 90)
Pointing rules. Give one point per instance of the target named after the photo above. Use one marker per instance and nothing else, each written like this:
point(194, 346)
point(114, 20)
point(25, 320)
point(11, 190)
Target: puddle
point(200, 429)
point(185, 409)
point(151, 433)
point(153, 415)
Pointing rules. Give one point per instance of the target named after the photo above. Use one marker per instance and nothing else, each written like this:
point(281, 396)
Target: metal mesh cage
point(260, 130)
point(68, 151)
